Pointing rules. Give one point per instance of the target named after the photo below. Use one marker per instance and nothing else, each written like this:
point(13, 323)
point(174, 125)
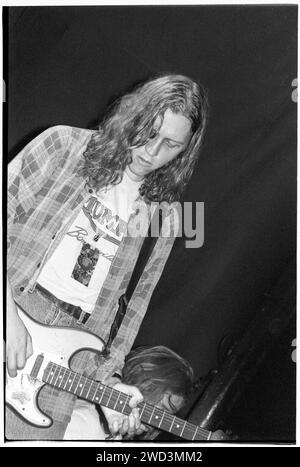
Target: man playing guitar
point(76, 200)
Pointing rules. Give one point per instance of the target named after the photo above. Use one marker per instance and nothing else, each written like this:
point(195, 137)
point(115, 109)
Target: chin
point(136, 173)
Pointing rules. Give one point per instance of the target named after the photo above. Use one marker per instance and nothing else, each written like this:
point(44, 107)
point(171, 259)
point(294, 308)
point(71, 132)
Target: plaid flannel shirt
point(44, 189)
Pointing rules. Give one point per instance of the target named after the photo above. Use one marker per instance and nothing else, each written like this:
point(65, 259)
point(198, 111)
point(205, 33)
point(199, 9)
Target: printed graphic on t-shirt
point(85, 264)
point(100, 215)
point(78, 267)
point(101, 224)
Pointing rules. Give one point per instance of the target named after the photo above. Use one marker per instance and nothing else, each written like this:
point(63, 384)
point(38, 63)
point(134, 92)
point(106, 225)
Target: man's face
point(171, 403)
point(170, 136)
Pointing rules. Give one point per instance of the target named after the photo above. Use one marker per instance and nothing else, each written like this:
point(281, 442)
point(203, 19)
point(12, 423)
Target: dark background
point(65, 64)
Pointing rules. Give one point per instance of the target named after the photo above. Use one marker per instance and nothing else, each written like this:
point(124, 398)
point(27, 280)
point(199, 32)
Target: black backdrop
point(65, 64)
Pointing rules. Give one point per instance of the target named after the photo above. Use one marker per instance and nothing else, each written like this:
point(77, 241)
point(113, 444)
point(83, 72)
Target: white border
point(109, 445)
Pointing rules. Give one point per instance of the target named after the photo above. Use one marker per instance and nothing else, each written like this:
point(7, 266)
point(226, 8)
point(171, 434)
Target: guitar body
point(50, 343)
point(54, 348)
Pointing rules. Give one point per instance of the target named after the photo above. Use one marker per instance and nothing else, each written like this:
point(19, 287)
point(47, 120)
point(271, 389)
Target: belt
point(72, 310)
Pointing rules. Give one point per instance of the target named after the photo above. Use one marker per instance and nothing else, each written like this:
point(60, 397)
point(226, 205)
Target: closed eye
point(171, 144)
point(153, 133)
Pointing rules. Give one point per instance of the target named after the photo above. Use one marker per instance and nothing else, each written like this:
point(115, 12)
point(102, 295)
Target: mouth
point(144, 162)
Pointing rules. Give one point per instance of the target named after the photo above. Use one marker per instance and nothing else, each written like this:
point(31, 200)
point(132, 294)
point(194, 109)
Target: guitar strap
point(145, 252)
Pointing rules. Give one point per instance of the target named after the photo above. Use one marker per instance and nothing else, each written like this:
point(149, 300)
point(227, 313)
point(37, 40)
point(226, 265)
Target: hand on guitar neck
point(53, 348)
point(131, 427)
point(19, 348)
point(120, 424)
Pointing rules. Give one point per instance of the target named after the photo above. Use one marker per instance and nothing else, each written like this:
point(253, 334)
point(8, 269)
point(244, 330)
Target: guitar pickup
point(37, 366)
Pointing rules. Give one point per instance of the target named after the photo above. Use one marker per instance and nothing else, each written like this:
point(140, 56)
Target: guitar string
point(149, 410)
point(168, 418)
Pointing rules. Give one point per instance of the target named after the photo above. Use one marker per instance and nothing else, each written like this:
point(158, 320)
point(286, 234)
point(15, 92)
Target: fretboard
point(98, 393)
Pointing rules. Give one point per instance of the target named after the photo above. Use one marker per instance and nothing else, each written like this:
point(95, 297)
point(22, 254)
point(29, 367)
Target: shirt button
point(90, 190)
point(38, 265)
point(22, 289)
point(53, 236)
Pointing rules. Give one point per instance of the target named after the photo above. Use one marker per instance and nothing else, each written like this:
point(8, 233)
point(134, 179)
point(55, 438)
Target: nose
point(152, 147)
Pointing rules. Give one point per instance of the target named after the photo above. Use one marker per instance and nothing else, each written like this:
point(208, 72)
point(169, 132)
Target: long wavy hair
point(128, 124)
point(156, 371)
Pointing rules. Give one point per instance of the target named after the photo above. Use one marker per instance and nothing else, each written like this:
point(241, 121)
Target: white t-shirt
point(85, 423)
point(79, 265)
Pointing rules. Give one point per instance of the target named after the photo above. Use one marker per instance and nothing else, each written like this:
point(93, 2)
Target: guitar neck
point(98, 393)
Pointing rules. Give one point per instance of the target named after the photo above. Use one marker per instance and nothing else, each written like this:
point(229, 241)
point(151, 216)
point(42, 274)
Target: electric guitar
point(54, 348)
